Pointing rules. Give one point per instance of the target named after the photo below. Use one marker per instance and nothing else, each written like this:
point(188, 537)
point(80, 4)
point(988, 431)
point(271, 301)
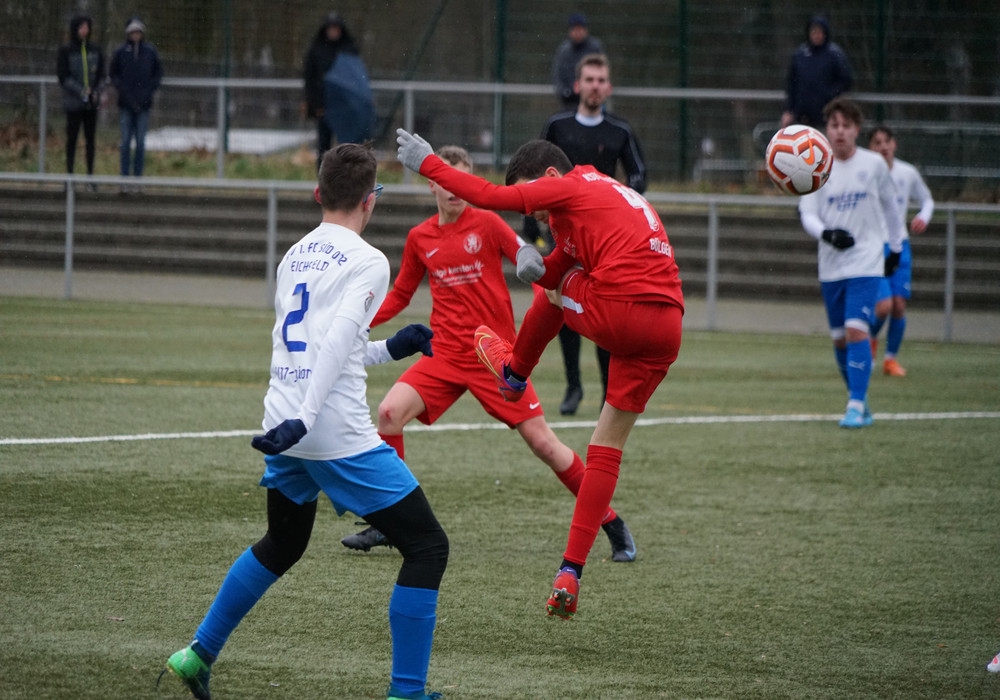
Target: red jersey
point(606, 227)
point(464, 262)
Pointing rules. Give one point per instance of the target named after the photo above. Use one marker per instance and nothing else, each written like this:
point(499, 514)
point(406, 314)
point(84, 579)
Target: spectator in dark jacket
point(578, 43)
point(818, 72)
point(136, 73)
point(332, 38)
point(80, 69)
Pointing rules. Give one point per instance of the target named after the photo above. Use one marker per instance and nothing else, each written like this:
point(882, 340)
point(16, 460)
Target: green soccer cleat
point(393, 694)
point(192, 670)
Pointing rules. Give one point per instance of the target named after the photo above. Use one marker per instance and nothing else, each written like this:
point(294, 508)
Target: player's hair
point(531, 160)
point(346, 176)
point(453, 155)
point(848, 109)
point(592, 59)
point(881, 129)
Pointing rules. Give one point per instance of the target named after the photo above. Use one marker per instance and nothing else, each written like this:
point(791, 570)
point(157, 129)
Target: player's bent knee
point(278, 555)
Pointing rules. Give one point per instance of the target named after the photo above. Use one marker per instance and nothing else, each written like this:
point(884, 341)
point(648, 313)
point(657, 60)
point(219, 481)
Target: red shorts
point(442, 379)
point(642, 337)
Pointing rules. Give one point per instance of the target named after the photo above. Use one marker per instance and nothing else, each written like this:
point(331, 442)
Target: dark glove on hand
point(409, 340)
point(891, 263)
point(280, 438)
point(838, 238)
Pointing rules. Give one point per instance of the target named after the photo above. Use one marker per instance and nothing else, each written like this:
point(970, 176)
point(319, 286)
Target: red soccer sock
point(541, 324)
point(599, 482)
point(573, 477)
point(395, 442)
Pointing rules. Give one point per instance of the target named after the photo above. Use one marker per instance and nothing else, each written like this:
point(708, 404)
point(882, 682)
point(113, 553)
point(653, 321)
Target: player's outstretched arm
point(412, 149)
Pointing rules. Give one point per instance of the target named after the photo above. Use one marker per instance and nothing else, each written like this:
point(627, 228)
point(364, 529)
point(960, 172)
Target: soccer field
point(778, 555)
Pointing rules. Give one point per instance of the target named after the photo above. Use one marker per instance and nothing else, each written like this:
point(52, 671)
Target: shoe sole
point(559, 602)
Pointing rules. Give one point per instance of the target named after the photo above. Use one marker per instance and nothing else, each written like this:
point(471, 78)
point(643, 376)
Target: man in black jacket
point(331, 39)
point(136, 73)
point(80, 69)
point(818, 72)
point(590, 135)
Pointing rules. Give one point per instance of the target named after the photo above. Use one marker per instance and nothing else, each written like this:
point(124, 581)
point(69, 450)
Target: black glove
point(891, 263)
point(410, 339)
point(280, 438)
point(838, 238)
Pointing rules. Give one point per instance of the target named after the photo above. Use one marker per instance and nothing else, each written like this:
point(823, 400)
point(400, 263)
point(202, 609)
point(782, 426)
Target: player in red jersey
point(461, 250)
point(611, 277)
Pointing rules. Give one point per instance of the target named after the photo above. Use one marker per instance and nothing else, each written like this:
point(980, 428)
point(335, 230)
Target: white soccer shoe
point(994, 665)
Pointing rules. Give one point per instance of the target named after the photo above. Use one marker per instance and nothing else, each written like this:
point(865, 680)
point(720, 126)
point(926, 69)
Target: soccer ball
point(798, 159)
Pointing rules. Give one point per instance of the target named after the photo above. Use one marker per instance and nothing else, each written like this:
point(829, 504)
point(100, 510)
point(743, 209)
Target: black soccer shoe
point(365, 540)
point(571, 401)
point(622, 544)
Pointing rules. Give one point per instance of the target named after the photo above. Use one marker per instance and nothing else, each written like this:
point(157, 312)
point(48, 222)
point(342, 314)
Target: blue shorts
point(898, 285)
point(850, 303)
point(362, 484)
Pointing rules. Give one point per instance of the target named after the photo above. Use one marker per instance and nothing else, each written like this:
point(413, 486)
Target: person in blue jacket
point(136, 73)
point(818, 72)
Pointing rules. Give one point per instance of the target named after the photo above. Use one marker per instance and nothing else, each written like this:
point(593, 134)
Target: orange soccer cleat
point(892, 368)
point(495, 352)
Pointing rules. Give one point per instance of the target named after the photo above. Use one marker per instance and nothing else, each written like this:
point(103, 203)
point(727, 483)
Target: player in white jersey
point(894, 291)
point(851, 217)
point(320, 437)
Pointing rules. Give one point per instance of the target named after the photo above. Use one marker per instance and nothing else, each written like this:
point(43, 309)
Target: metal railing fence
point(949, 136)
point(711, 204)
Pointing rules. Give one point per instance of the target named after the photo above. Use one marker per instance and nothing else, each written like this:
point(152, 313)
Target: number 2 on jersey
point(295, 317)
point(637, 201)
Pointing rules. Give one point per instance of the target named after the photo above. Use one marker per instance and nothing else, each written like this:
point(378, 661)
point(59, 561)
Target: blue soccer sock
point(841, 355)
point(897, 327)
point(243, 586)
point(412, 616)
point(859, 369)
point(876, 326)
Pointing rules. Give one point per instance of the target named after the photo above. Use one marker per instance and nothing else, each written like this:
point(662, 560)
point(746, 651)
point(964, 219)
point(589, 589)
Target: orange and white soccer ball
point(798, 159)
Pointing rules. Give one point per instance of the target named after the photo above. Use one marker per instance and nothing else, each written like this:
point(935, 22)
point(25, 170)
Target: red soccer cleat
point(495, 352)
point(565, 592)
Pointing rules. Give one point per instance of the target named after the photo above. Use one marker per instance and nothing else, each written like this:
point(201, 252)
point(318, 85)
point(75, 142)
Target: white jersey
point(859, 198)
point(910, 187)
point(329, 286)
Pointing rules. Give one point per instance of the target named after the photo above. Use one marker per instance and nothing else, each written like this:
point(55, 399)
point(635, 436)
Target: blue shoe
point(393, 694)
point(867, 418)
point(853, 419)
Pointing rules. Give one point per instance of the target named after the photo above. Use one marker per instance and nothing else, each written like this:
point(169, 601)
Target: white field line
point(494, 425)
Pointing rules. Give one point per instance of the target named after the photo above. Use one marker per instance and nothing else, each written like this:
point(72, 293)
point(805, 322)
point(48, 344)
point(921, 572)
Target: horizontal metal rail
point(710, 203)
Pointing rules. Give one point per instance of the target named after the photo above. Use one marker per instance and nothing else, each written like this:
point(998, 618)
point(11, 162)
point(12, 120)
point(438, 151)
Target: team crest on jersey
point(368, 301)
point(473, 243)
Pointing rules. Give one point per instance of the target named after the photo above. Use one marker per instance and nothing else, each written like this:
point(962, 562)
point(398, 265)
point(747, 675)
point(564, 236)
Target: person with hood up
point(136, 73)
point(80, 69)
point(577, 44)
point(331, 38)
point(818, 72)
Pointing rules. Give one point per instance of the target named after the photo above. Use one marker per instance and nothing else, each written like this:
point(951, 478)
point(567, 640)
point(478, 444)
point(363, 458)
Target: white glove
point(412, 149)
point(530, 266)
